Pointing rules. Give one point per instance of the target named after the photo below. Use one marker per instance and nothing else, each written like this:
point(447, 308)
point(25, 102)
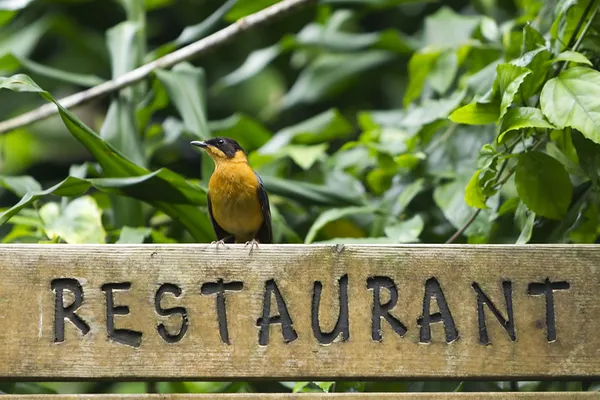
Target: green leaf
point(409, 192)
point(333, 215)
point(309, 193)
point(543, 185)
point(323, 127)
point(406, 231)
point(192, 33)
point(536, 61)
point(419, 67)
point(196, 32)
point(444, 71)
point(254, 63)
point(85, 80)
point(335, 40)
point(328, 74)
point(115, 165)
point(20, 43)
point(448, 29)
point(451, 200)
point(131, 235)
point(508, 80)
point(69, 187)
point(20, 185)
point(588, 153)
point(185, 86)
point(326, 386)
point(571, 99)
point(474, 196)
point(80, 222)
point(523, 117)
point(305, 156)
point(572, 56)
point(476, 113)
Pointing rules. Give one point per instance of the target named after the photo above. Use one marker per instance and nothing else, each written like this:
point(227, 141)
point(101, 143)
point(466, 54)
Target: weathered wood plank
point(561, 343)
point(319, 396)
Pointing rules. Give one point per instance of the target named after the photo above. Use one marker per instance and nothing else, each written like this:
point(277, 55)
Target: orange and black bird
point(238, 204)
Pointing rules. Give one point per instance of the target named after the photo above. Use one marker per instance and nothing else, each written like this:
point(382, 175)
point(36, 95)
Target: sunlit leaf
point(474, 196)
point(79, 222)
point(571, 99)
point(476, 114)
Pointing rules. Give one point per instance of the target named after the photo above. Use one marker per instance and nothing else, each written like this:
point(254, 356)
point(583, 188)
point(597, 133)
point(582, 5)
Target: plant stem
point(192, 50)
point(464, 227)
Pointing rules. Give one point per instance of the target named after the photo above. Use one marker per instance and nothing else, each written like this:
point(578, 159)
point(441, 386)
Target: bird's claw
point(219, 243)
point(252, 244)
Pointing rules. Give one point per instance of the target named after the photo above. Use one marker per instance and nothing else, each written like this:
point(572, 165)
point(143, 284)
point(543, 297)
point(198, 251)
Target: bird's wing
point(219, 232)
point(265, 233)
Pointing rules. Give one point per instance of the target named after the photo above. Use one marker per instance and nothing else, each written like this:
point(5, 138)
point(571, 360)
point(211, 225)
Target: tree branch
point(185, 53)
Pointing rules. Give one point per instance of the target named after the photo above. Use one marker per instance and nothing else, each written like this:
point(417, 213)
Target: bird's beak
point(203, 145)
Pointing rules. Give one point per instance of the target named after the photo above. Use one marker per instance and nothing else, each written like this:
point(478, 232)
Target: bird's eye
point(220, 141)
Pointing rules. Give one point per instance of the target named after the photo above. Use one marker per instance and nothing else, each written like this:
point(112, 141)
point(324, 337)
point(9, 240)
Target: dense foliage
point(370, 121)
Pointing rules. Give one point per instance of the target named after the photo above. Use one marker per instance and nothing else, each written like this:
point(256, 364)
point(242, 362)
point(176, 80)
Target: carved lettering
point(264, 322)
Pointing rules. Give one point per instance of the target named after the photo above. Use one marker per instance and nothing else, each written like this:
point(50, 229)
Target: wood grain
point(319, 396)
point(27, 312)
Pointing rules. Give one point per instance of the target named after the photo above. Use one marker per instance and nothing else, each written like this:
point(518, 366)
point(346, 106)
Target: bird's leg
point(221, 242)
point(252, 243)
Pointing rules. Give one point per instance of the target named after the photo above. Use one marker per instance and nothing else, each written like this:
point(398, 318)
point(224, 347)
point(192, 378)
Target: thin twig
point(199, 47)
point(464, 227)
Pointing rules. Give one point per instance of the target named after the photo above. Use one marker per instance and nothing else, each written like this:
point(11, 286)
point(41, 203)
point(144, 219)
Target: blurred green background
point(370, 121)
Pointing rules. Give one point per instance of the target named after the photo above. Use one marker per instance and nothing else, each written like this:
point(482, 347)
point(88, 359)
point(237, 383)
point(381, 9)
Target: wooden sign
point(301, 312)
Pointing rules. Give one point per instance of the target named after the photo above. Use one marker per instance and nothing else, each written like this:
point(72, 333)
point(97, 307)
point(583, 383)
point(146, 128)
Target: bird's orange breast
point(234, 200)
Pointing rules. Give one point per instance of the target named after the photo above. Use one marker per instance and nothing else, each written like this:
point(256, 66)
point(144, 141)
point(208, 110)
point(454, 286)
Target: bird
point(238, 204)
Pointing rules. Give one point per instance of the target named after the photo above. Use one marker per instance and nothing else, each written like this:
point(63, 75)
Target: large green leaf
point(543, 184)
point(571, 99)
point(115, 165)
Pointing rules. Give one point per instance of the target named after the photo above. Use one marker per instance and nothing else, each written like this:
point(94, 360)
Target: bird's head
point(222, 149)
